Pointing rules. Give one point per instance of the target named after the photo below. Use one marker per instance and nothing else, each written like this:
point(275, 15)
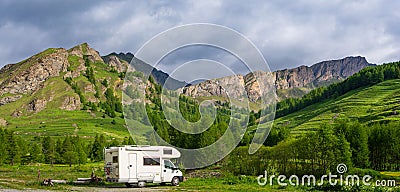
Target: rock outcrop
point(9, 99)
point(218, 87)
point(71, 103)
point(85, 50)
point(320, 73)
point(304, 77)
point(37, 105)
point(3, 122)
point(30, 75)
point(116, 63)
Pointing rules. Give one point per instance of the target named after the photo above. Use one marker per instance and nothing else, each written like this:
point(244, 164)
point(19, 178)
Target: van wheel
point(142, 184)
point(175, 181)
point(128, 185)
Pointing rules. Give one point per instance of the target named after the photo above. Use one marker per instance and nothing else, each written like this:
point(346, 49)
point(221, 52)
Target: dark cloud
point(288, 33)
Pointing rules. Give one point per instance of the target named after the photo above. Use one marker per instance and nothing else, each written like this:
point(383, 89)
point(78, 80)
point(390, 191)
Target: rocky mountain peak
point(29, 75)
point(288, 82)
point(85, 50)
point(117, 63)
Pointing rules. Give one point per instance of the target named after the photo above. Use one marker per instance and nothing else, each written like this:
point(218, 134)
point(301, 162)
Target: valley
point(61, 107)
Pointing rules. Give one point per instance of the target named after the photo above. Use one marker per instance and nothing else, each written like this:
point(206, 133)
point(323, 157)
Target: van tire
point(175, 181)
point(128, 185)
point(141, 184)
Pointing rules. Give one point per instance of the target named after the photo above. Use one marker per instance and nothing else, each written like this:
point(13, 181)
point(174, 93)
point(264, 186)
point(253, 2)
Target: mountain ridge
point(159, 76)
point(29, 75)
point(289, 82)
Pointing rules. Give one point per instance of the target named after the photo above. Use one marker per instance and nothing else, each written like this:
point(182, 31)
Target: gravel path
point(98, 189)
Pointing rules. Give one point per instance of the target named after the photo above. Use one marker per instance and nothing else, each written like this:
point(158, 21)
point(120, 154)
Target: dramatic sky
point(288, 33)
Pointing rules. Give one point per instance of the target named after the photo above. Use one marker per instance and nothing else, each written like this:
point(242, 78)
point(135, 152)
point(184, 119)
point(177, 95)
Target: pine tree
point(3, 146)
point(79, 151)
point(68, 153)
point(359, 145)
point(70, 157)
point(343, 152)
point(59, 148)
point(113, 143)
point(97, 148)
point(128, 141)
point(326, 140)
point(49, 150)
point(12, 148)
point(35, 152)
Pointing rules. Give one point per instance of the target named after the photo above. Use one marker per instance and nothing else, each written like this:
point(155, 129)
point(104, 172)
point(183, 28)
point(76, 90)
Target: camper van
point(138, 165)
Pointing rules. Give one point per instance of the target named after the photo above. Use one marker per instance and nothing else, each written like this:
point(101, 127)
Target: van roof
point(165, 151)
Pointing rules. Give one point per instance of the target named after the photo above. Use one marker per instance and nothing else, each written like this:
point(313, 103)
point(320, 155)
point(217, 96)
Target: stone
point(114, 62)
point(3, 122)
point(9, 99)
point(17, 114)
point(37, 105)
point(39, 69)
point(71, 103)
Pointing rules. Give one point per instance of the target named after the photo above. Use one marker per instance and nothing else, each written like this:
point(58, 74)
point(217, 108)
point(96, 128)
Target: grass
point(378, 103)
point(240, 183)
point(74, 62)
point(26, 177)
point(392, 174)
point(294, 92)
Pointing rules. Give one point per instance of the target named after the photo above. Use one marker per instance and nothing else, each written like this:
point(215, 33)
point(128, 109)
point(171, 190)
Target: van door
point(132, 165)
point(167, 170)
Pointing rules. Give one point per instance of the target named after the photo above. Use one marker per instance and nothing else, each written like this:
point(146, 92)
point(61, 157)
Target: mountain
point(63, 92)
point(76, 91)
point(288, 82)
point(159, 76)
point(70, 91)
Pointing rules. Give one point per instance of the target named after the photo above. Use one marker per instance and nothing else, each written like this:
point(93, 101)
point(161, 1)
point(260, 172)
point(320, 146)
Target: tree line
point(68, 150)
point(358, 146)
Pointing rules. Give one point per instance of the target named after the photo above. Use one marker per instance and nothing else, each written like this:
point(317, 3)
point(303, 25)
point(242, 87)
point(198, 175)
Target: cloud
point(287, 33)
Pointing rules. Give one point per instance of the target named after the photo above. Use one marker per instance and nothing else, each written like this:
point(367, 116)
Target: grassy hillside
point(378, 103)
point(54, 119)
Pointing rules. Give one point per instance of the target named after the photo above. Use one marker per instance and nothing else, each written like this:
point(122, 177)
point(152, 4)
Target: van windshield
point(168, 164)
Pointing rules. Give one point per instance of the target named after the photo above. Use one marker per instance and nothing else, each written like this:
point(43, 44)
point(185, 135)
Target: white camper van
point(138, 165)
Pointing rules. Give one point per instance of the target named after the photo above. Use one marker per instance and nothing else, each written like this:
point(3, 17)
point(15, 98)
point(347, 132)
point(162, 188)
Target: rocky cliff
point(289, 82)
point(29, 75)
point(319, 74)
point(159, 76)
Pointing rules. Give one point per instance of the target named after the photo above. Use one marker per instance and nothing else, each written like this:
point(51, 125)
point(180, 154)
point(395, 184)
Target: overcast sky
point(288, 33)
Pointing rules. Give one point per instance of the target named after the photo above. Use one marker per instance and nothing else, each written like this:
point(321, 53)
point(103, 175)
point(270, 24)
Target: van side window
point(115, 159)
point(151, 161)
point(167, 151)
